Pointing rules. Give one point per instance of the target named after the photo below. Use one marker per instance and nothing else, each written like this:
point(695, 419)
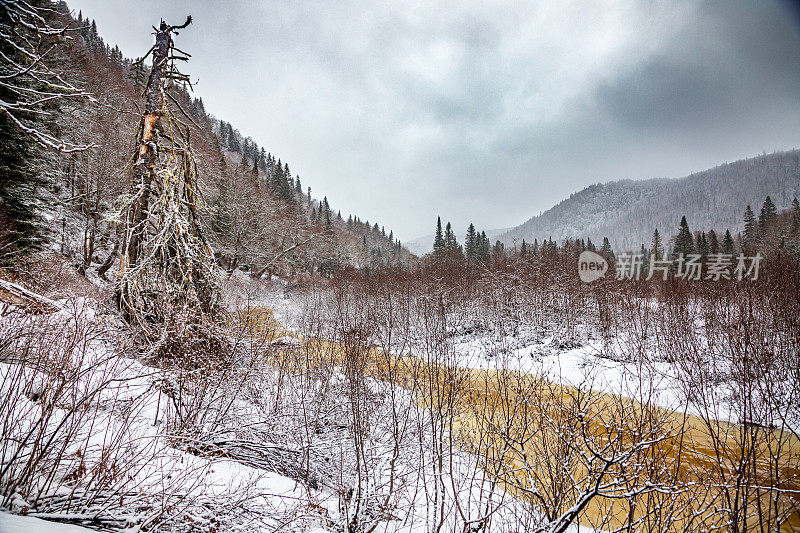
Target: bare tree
point(28, 84)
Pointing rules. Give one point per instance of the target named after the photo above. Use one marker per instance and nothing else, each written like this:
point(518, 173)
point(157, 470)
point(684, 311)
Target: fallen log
point(18, 296)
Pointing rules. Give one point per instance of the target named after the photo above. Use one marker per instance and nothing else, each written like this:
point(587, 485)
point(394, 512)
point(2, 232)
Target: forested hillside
point(627, 212)
point(257, 214)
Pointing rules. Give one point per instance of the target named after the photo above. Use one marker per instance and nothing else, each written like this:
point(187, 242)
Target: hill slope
point(257, 215)
point(628, 211)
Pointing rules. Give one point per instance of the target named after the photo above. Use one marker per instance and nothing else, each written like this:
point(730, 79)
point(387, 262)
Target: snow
point(131, 406)
point(10, 523)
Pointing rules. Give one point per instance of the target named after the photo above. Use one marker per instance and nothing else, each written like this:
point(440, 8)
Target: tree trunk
point(144, 168)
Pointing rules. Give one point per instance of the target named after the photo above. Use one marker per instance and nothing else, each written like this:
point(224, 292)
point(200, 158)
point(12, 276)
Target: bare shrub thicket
point(68, 447)
point(716, 449)
point(92, 436)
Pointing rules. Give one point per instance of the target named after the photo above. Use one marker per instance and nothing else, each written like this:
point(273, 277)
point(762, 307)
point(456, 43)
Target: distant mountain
point(424, 245)
point(628, 211)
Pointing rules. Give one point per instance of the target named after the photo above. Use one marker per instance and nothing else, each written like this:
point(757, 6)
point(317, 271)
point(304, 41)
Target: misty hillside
point(255, 211)
point(628, 211)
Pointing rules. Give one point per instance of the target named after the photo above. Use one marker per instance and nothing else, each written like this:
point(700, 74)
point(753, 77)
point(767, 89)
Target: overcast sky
point(483, 111)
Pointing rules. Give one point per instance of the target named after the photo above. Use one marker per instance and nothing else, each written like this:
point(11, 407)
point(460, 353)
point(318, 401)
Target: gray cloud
point(732, 64)
point(484, 112)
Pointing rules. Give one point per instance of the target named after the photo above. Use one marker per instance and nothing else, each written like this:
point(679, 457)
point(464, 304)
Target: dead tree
point(166, 260)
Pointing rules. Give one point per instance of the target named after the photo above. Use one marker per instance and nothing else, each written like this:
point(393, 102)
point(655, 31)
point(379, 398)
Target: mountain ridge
point(628, 211)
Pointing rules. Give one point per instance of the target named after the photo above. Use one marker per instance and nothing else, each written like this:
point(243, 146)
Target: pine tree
point(523, 250)
point(438, 240)
point(727, 243)
point(483, 252)
point(470, 243)
point(684, 242)
point(657, 247)
point(450, 241)
point(768, 212)
point(18, 179)
point(498, 250)
point(713, 242)
point(702, 244)
point(605, 249)
point(750, 228)
point(795, 216)
point(233, 140)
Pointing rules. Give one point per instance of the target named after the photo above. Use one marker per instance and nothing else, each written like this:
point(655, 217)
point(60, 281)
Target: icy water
point(492, 408)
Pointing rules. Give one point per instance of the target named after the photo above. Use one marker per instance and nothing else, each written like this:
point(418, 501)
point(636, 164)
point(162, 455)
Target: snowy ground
point(10, 523)
point(112, 430)
point(128, 404)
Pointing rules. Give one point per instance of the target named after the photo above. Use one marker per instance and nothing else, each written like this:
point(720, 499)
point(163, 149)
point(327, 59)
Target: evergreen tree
point(223, 134)
point(450, 241)
point(703, 247)
point(795, 216)
point(750, 228)
point(768, 212)
point(438, 240)
point(483, 248)
point(684, 242)
point(19, 229)
point(325, 210)
point(523, 250)
point(498, 250)
point(657, 247)
point(470, 243)
point(727, 243)
point(713, 242)
point(605, 249)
